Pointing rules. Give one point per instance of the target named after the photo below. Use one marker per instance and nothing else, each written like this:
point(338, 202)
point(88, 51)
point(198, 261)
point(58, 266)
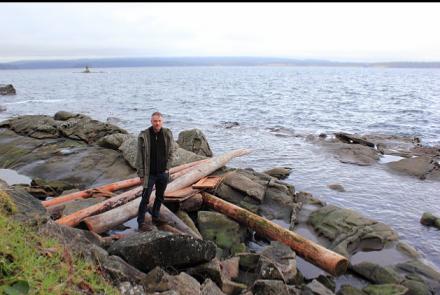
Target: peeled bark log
point(316, 254)
point(186, 169)
point(110, 219)
point(75, 218)
point(175, 172)
point(88, 193)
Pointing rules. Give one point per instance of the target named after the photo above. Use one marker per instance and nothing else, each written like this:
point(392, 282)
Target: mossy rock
point(349, 231)
point(377, 274)
point(385, 289)
point(349, 290)
point(223, 231)
point(6, 204)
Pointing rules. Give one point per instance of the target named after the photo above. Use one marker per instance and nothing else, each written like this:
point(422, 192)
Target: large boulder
point(223, 231)
point(194, 141)
point(156, 248)
point(421, 167)
point(7, 89)
point(349, 231)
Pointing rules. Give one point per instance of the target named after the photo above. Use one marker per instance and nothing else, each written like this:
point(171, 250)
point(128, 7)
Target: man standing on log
point(154, 154)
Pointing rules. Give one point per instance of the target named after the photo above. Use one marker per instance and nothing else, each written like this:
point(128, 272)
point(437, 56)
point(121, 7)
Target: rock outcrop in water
point(418, 160)
point(430, 219)
point(7, 89)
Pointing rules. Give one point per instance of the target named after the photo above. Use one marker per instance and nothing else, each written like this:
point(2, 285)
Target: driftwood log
point(111, 218)
point(175, 172)
point(318, 255)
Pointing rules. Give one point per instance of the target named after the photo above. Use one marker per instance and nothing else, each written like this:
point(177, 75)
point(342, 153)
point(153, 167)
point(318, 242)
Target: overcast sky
point(336, 31)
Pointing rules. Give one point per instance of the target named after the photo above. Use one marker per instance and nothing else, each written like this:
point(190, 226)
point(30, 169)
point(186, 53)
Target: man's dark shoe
point(144, 227)
point(157, 222)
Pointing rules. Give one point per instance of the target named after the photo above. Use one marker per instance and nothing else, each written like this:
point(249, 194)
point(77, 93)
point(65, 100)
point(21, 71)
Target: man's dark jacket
point(143, 152)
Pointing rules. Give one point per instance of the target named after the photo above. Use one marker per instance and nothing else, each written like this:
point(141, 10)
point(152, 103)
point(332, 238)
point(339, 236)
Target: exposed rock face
point(336, 187)
point(244, 184)
point(156, 248)
point(316, 288)
point(349, 231)
point(429, 219)
point(264, 287)
point(158, 280)
point(284, 259)
point(78, 127)
point(357, 154)
point(129, 150)
point(210, 288)
point(7, 89)
point(223, 231)
point(113, 141)
point(62, 159)
point(279, 172)
point(422, 167)
point(86, 129)
point(183, 156)
point(377, 274)
point(353, 139)
point(258, 192)
point(194, 141)
point(28, 208)
point(385, 289)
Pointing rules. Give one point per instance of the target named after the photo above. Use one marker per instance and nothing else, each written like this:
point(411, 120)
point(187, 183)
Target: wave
point(34, 101)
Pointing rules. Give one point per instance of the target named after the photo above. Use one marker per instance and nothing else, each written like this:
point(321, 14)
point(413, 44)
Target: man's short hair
point(157, 114)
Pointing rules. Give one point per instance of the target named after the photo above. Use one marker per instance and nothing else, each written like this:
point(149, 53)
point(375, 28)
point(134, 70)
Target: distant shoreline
point(204, 62)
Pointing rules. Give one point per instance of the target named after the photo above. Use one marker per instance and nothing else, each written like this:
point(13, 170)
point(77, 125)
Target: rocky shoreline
point(70, 152)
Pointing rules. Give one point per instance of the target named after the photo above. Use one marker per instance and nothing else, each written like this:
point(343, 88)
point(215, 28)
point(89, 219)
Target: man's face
point(156, 122)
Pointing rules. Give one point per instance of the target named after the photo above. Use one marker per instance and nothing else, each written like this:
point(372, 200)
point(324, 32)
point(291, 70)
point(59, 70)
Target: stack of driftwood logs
point(187, 186)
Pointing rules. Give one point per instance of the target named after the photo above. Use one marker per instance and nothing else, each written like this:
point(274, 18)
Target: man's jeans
point(161, 181)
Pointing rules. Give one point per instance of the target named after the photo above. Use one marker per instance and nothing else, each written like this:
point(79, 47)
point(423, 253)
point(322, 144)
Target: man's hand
point(141, 179)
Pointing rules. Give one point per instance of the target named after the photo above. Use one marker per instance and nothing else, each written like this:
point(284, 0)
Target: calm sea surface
point(271, 105)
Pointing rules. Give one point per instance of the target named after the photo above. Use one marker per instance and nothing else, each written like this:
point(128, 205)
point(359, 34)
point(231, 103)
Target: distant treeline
point(200, 61)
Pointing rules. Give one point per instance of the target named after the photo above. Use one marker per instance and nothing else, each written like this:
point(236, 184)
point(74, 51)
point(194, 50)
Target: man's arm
point(140, 161)
point(171, 150)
